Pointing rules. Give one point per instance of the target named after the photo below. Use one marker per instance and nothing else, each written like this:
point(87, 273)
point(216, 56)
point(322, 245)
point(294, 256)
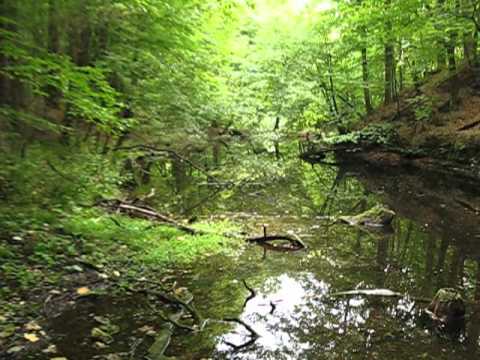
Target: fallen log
point(149, 214)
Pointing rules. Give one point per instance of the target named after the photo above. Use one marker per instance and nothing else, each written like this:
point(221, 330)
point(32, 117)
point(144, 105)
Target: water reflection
point(433, 244)
point(274, 313)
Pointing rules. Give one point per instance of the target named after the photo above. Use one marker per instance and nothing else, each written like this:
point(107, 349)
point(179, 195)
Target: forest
point(239, 179)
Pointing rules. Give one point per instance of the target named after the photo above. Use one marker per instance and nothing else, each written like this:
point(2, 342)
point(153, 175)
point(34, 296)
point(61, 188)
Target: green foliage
point(422, 106)
point(86, 93)
point(373, 134)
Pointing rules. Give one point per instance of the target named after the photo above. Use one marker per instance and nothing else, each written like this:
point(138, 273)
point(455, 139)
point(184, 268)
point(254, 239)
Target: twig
point(467, 206)
point(273, 307)
point(469, 126)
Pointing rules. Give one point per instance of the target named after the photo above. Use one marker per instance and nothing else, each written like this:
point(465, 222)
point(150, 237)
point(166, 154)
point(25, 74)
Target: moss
point(377, 215)
point(113, 237)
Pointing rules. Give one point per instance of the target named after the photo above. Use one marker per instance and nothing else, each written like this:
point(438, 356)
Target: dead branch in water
point(253, 334)
point(295, 243)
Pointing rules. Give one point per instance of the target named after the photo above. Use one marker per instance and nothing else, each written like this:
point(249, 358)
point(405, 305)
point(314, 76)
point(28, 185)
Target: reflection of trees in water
point(473, 328)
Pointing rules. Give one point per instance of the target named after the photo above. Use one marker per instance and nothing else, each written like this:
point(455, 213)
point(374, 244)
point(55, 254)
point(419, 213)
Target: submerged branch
point(253, 334)
point(252, 293)
point(378, 292)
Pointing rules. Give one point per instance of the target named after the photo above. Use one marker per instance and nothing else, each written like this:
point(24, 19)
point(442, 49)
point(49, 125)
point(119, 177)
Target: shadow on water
point(432, 244)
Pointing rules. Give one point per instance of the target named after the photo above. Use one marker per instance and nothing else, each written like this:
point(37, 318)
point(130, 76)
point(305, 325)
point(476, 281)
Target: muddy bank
point(462, 165)
point(446, 205)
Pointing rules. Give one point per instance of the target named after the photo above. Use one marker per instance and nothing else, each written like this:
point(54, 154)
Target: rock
point(447, 305)
point(157, 350)
point(376, 216)
point(447, 312)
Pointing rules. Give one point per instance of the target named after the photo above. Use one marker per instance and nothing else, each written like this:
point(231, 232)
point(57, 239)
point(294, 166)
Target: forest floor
point(434, 127)
point(429, 117)
point(51, 267)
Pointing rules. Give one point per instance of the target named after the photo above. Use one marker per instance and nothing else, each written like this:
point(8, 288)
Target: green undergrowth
point(49, 225)
point(108, 242)
point(117, 237)
point(373, 134)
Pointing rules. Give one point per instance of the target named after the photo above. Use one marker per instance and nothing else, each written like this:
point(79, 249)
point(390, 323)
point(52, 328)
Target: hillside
point(440, 117)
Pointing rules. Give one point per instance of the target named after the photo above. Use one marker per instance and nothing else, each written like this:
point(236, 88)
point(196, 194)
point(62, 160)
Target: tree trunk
point(389, 74)
point(332, 85)
point(80, 36)
point(4, 61)
point(441, 46)
point(468, 47)
point(276, 143)
point(366, 83)
point(452, 64)
point(53, 45)
point(389, 60)
point(474, 323)
point(401, 68)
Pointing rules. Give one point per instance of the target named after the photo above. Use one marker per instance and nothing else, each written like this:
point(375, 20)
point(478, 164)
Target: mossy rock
point(376, 216)
point(447, 295)
point(447, 306)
